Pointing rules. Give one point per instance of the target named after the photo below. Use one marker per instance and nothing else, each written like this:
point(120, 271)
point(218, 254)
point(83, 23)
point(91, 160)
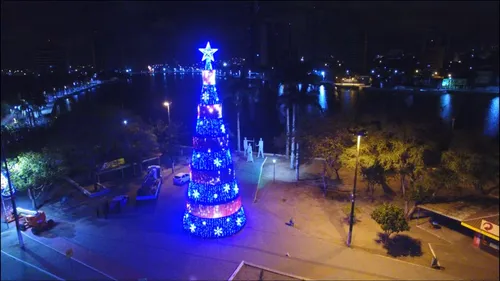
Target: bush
point(390, 218)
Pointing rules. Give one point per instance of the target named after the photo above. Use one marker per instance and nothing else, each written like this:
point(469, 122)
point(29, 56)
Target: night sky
point(140, 33)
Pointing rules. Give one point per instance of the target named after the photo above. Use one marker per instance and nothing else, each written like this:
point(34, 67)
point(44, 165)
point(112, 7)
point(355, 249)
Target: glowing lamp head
point(274, 161)
point(166, 104)
point(224, 64)
point(125, 122)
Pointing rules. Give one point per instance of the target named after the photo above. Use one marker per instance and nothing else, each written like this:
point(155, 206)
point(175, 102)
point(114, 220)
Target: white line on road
point(430, 232)
point(80, 262)
point(33, 266)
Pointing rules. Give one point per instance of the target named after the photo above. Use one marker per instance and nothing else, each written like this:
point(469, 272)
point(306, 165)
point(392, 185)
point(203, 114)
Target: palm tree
point(238, 90)
point(296, 97)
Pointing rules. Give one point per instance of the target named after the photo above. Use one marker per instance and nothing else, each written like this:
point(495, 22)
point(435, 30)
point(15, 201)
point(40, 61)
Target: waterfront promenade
point(17, 117)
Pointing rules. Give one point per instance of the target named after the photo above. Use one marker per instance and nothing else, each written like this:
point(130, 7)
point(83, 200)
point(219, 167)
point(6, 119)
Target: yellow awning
point(480, 231)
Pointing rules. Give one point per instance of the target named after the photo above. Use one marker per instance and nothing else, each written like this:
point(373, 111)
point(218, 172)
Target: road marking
point(430, 232)
point(432, 250)
point(33, 266)
point(80, 262)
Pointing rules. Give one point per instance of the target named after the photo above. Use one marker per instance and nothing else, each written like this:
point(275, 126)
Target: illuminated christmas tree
point(214, 206)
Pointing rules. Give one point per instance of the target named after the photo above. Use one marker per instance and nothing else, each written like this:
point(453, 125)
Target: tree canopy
point(390, 218)
point(35, 170)
point(87, 139)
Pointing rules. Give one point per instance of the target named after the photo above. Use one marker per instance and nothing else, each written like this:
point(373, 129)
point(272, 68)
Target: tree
point(390, 218)
point(138, 142)
point(296, 79)
point(373, 175)
point(213, 188)
point(439, 180)
point(329, 142)
point(238, 90)
point(35, 172)
point(474, 162)
point(86, 140)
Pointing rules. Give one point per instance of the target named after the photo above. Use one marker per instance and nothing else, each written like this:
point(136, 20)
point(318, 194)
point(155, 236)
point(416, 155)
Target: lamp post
point(274, 170)
point(353, 195)
point(12, 198)
point(167, 105)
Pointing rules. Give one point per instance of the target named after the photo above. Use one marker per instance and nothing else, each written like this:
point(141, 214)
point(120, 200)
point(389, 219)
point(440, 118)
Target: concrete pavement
point(41, 262)
point(323, 218)
point(147, 241)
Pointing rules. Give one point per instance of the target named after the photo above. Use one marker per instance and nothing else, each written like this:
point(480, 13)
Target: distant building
point(50, 56)
point(277, 38)
point(433, 54)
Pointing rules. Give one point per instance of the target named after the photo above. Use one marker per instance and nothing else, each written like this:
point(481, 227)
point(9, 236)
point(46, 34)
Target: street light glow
point(167, 104)
point(274, 161)
point(125, 122)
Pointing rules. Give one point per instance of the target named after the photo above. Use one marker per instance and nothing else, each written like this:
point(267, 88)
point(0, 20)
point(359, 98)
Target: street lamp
point(353, 195)
point(125, 122)
point(274, 170)
point(11, 191)
point(167, 105)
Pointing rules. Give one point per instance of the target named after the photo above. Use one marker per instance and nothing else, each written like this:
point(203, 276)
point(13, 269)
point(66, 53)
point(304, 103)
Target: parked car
point(181, 178)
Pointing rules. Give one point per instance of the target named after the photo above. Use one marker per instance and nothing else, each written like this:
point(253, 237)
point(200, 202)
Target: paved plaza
point(147, 240)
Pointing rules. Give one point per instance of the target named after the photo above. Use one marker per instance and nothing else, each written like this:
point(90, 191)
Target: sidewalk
point(47, 259)
point(323, 218)
point(150, 242)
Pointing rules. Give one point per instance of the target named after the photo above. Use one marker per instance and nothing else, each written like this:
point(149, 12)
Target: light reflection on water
point(142, 93)
point(348, 97)
point(491, 122)
point(281, 90)
point(322, 98)
point(68, 105)
point(445, 105)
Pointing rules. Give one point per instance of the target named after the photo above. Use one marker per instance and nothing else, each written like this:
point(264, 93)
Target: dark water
point(260, 117)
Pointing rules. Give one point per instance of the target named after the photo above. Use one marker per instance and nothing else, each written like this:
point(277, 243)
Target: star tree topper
point(208, 53)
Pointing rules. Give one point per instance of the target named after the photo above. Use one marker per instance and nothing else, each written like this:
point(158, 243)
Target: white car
point(181, 178)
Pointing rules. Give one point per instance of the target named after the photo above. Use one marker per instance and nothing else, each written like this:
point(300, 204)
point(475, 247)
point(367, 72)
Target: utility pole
point(12, 198)
point(353, 195)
